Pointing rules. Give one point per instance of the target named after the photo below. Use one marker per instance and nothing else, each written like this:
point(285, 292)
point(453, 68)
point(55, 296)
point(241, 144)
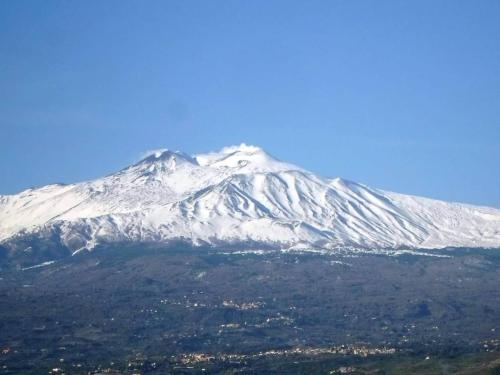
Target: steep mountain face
point(239, 195)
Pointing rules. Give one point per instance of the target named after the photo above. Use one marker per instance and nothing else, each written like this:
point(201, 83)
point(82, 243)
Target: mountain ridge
point(240, 194)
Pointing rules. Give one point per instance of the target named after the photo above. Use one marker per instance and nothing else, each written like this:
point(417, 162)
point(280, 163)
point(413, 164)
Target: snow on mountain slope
point(235, 196)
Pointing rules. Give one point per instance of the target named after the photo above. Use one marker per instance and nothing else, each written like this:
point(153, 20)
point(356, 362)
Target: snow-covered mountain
point(239, 195)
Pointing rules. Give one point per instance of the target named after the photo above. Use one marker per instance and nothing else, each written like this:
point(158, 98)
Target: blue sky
point(399, 95)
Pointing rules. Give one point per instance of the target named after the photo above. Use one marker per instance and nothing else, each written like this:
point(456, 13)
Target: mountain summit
point(241, 196)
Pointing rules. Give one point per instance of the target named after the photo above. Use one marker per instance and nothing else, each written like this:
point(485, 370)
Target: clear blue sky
point(400, 95)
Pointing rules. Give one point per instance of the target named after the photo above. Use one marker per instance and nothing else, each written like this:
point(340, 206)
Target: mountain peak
point(243, 147)
point(166, 154)
point(245, 158)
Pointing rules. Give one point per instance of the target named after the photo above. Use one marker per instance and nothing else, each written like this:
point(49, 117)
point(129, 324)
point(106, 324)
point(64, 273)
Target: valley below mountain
point(149, 310)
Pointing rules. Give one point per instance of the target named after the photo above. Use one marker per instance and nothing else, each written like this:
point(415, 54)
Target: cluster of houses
point(357, 350)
